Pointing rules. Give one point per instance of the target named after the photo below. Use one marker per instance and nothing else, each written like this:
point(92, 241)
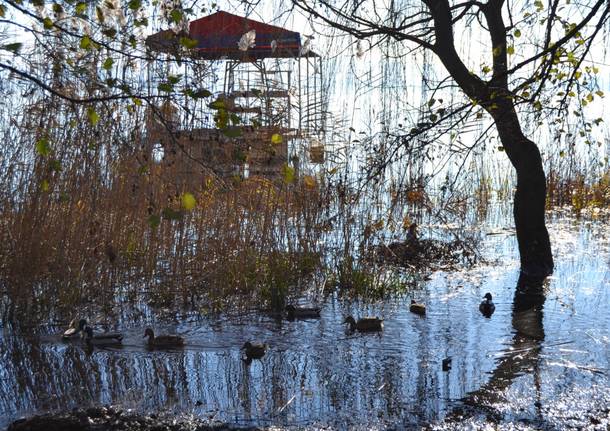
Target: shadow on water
point(523, 356)
point(542, 360)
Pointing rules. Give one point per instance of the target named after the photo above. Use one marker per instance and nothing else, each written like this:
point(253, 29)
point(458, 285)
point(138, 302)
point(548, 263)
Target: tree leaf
point(154, 221)
point(510, 50)
point(42, 147)
point(93, 116)
point(517, 33)
point(276, 139)
point(135, 4)
point(45, 186)
point(176, 16)
point(80, 8)
point(108, 63)
point(288, 174)
point(188, 43)
point(13, 47)
point(85, 42)
point(165, 86)
point(201, 93)
point(188, 201)
point(309, 181)
point(2, 11)
point(47, 23)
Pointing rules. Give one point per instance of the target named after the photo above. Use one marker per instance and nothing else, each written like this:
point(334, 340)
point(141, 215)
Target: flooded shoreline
point(545, 366)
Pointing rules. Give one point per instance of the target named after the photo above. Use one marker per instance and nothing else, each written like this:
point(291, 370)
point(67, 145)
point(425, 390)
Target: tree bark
point(530, 196)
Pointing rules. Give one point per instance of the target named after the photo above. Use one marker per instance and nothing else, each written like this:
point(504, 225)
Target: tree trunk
point(530, 196)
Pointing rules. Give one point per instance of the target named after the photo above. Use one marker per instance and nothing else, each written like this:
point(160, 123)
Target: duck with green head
point(74, 330)
point(366, 324)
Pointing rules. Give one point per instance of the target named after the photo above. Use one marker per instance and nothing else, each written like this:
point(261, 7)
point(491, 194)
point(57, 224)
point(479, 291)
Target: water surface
point(544, 366)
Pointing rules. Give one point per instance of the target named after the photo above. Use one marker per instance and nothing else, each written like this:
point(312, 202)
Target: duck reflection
point(522, 357)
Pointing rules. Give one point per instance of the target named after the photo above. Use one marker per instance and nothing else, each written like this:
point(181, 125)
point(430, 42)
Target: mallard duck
point(417, 308)
point(366, 324)
point(302, 312)
point(163, 341)
point(253, 350)
point(74, 330)
point(487, 307)
point(105, 339)
point(446, 364)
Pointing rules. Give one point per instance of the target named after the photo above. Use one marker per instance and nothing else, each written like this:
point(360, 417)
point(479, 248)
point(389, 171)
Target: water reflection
point(542, 355)
point(523, 355)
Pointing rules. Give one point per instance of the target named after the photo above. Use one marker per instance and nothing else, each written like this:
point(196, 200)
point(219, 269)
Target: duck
point(74, 330)
point(417, 308)
point(302, 312)
point(253, 350)
point(105, 339)
point(487, 307)
point(163, 341)
point(366, 324)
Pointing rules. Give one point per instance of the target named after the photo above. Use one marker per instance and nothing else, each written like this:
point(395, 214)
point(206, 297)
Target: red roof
point(217, 37)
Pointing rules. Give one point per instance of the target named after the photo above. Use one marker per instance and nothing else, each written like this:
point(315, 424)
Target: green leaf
point(188, 43)
point(13, 47)
point(85, 42)
point(55, 165)
point(165, 86)
point(45, 186)
point(517, 33)
point(42, 147)
point(510, 50)
point(108, 63)
point(201, 93)
point(176, 16)
point(135, 4)
point(57, 9)
point(47, 23)
point(173, 79)
point(154, 221)
point(288, 174)
point(80, 8)
point(93, 116)
point(218, 104)
point(188, 201)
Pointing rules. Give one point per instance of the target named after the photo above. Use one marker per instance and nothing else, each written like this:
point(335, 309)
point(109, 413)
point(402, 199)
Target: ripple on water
point(541, 368)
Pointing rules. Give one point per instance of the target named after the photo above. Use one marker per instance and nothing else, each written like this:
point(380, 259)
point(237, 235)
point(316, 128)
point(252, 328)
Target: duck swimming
point(105, 339)
point(253, 351)
point(366, 324)
point(487, 307)
point(74, 330)
point(417, 308)
point(163, 341)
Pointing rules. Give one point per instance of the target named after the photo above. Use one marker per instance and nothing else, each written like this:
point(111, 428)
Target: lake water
point(541, 364)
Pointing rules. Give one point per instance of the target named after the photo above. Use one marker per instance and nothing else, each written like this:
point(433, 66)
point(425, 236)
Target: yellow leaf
point(276, 139)
point(510, 50)
point(309, 181)
point(44, 185)
point(188, 201)
point(589, 97)
point(517, 33)
point(288, 174)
